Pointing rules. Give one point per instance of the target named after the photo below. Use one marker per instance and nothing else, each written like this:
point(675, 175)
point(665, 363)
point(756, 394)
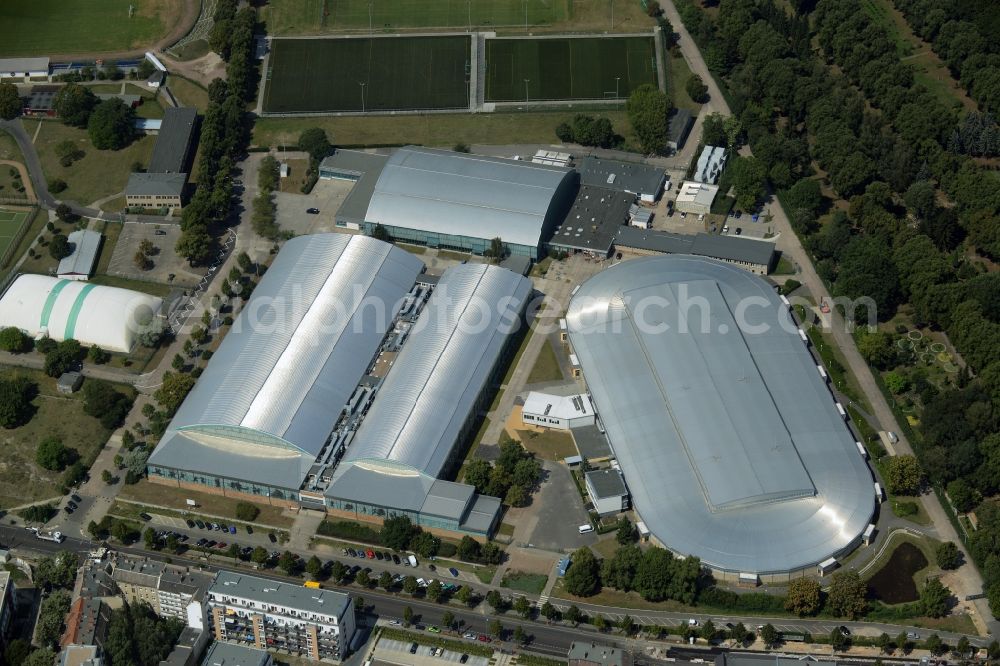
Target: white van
point(586, 528)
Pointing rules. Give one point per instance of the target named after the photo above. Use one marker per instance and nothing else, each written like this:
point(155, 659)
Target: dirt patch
point(202, 70)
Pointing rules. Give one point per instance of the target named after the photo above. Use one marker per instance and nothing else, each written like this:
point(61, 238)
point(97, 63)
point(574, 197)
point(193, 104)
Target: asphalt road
point(547, 638)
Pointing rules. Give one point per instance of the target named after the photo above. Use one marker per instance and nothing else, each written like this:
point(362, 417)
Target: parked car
point(433, 629)
point(270, 535)
point(471, 635)
point(394, 622)
point(75, 497)
point(352, 552)
point(844, 631)
point(249, 529)
point(453, 571)
point(190, 523)
point(232, 529)
point(312, 211)
point(146, 517)
point(395, 558)
point(68, 510)
point(413, 648)
point(725, 228)
point(739, 230)
point(484, 638)
point(200, 524)
point(159, 232)
point(463, 659)
point(370, 554)
point(378, 556)
point(73, 505)
point(387, 556)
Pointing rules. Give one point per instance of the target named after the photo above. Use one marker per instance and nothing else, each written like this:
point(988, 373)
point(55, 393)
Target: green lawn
point(429, 130)
point(99, 173)
point(11, 184)
point(524, 582)
point(310, 17)
point(11, 222)
point(564, 69)
point(56, 415)
point(679, 73)
point(290, 17)
point(49, 27)
point(37, 224)
point(188, 93)
point(377, 74)
point(152, 288)
point(9, 149)
point(156, 494)
point(548, 444)
point(546, 367)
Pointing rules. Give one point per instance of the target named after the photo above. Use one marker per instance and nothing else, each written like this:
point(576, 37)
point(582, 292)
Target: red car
point(485, 639)
point(370, 554)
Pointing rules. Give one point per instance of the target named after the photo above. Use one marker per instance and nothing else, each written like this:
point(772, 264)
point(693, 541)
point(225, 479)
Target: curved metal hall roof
point(728, 437)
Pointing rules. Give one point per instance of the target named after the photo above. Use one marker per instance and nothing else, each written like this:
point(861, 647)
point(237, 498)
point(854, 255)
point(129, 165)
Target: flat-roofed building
point(168, 589)
point(756, 256)
point(362, 169)
point(270, 615)
point(24, 68)
point(588, 653)
point(232, 654)
point(556, 411)
point(678, 128)
point(642, 180)
point(607, 491)
point(6, 605)
point(694, 197)
point(592, 222)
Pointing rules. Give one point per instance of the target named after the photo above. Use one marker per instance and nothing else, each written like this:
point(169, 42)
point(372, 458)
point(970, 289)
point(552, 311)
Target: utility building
point(556, 411)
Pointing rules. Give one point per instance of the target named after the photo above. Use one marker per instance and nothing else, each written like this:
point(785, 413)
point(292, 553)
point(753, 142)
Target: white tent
point(108, 317)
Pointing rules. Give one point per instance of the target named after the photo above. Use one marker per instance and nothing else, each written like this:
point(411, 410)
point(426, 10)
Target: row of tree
point(654, 573)
point(224, 135)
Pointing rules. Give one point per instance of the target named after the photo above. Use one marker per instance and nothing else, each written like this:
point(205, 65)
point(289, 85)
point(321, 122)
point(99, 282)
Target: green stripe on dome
point(50, 302)
point(74, 313)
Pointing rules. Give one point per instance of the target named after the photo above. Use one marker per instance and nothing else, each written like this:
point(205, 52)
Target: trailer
point(784, 299)
point(749, 579)
point(869, 535)
point(826, 566)
point(841, 411)
point(879, 494)
point(822, 373)
point(803, 336)
point(156, 61)
point(862, 450)
point(48, 535)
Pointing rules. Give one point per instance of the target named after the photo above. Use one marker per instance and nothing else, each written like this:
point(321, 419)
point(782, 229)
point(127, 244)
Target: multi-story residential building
point(168, 589)
point(270, 615)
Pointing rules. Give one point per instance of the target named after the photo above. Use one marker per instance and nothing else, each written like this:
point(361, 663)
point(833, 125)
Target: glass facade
point(450, 242)
point(225, 484)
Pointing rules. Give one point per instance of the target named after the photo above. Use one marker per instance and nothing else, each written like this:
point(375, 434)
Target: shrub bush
point(247, 511)
point(347, 530)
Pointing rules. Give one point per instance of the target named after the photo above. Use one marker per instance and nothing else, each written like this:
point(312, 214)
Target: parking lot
point(555, 514)
point(400, 652)
point(166, 262)
point(327, 196)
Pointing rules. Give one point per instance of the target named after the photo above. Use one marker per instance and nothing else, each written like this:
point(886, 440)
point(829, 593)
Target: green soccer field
point(368, 74)
point(567, 68)
point(310, 16)
point(51, 27)
point(11, 222)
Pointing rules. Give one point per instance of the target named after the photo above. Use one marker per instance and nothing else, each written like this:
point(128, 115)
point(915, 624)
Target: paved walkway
point(972, 582)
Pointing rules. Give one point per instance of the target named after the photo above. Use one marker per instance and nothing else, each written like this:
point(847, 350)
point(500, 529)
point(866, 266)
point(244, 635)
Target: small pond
point(893, 583)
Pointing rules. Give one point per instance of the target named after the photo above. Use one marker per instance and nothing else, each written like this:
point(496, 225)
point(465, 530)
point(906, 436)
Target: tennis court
point(11, 222)
point(368, 74)
point(567, 68)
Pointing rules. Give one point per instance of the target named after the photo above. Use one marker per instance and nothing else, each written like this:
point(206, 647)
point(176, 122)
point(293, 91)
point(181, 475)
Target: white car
point(395, 623)
point(725, 229)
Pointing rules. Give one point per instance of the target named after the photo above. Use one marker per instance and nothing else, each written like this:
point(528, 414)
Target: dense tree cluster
point(654, 573)
point(647, 109)
point(10, 101)
point(16, 394)
point(919, 206)
point(137, 636)
point(587, 130)
point(224, 134)
point(963, 34)
point(101, 400)
point(513, 477)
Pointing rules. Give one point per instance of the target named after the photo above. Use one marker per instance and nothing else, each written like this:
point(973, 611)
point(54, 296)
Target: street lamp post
point(371, 4)
point(526, 94)
point(617, 79)
point(612, 14)
point(362, 84)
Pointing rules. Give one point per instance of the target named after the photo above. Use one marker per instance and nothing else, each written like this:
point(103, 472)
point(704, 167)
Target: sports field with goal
point(567, 68)
point(368, 74)
point(289, 17)
point(11, 222)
